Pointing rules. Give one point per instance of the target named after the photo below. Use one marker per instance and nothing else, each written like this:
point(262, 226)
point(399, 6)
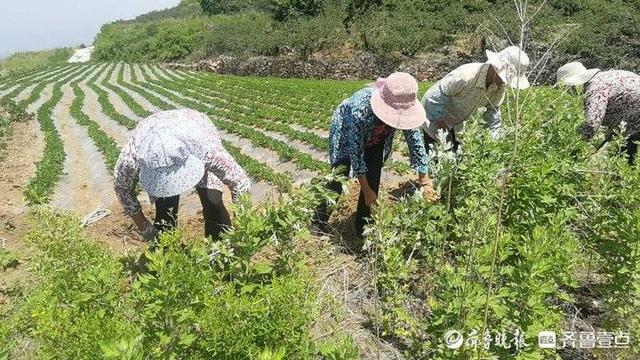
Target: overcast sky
point(44, 24)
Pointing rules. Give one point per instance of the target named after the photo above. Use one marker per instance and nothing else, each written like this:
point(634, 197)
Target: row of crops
point(288, 123)
point(535, 232)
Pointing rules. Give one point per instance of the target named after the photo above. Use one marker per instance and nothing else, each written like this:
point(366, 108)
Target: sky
point(44, 24)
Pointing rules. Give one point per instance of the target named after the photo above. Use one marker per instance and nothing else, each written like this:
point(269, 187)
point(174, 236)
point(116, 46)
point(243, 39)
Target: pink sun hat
point(395, 102)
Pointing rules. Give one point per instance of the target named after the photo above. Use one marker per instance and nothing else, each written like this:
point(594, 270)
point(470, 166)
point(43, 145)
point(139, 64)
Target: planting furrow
point(106, 144)
point(123, 77)
point(148, 73)
point(321, 133)
point(105, 104)
point(227, 110)
point(140, 82)
point(119, 104)
point(285, 151)
point(37, 89)
point(131, 82)
point(268, 157)
point(50, 166)
point(22, 86)
point(258, 170)
point(31, 77)
point(91, 107)
point(174, 74)
point(137, 74)
point(85, 185)
point(227, 97)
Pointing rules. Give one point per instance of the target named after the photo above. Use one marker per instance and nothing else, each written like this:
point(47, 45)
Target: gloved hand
point(428, 193)
point(149, 233)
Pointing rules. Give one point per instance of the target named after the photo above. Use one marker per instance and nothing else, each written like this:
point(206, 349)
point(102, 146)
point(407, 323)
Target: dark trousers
point(374, 158)
point(630, 147)
point(216, 216)
point(451, 137)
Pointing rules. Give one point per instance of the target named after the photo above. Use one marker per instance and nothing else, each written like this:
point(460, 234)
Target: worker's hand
point(370, 197)
point(150, 233)
point(428, 193)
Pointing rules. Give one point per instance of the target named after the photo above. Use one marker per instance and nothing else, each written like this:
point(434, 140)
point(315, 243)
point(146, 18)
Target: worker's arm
point(595, 105)
point(220, 163)
point(126, 174)
point(419, 160)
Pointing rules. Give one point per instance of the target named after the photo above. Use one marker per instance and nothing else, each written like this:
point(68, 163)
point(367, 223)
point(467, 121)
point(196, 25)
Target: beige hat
point(510, 64)
point(574, 73)
point(395, 102)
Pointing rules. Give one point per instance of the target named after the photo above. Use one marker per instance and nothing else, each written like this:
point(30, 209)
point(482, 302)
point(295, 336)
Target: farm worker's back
point(169, 153)
point(611, 98)
point(458, 95)
point(361, 139)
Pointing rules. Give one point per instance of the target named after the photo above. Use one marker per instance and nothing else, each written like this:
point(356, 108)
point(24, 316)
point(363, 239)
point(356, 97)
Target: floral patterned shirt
point(611, 98)
point(220, 168)
point(351, 128)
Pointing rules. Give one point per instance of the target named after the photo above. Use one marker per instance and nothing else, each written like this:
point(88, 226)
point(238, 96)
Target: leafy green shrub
point(195, 298)
point(518, 222)
point(8, 259)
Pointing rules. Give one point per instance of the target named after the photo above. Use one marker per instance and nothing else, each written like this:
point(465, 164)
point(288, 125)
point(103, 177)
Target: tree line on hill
point(599, 32)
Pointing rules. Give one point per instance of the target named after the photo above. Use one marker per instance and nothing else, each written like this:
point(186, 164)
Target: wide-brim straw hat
point(172, 180)
point(170, 157)
point(395, 102)
point(574, 74)
point(511, 64)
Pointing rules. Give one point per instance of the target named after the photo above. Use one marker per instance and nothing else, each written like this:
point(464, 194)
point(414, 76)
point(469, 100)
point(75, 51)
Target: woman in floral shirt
point(611, 98)
point(169, 153)
point(361, 137)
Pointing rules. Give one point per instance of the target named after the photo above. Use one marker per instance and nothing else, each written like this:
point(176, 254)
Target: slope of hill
point(601, 33)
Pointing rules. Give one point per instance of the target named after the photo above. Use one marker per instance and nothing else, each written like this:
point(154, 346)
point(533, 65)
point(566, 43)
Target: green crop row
point(260, 117)
point(251, 118)
point(105, 144)
point(105, 104)
point(50, 167)
point(315, 141)
point(282, 101)
point(286, 152)
point(156, 101)
point(282, 181)
point(256, 169)
point(245, 102)
point(131, 103)
point(30, 76)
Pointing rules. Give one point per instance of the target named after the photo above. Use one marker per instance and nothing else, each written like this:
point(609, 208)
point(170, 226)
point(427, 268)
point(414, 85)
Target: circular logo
point(453, 339)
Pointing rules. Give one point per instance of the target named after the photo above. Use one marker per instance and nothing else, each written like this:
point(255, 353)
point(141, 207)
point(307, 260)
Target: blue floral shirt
point(351, 127)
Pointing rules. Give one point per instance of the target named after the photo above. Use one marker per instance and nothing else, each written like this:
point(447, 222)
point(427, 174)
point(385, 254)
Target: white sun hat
point(510, 64)
point(170, 161)
point(574, 73)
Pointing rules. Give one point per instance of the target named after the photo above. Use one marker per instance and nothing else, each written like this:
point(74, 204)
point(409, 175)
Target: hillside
point(601, 33)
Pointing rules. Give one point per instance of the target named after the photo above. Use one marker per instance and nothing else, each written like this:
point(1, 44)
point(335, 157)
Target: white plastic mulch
point(81, 55)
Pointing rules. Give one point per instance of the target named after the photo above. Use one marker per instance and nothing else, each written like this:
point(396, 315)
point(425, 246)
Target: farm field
point(535, 232)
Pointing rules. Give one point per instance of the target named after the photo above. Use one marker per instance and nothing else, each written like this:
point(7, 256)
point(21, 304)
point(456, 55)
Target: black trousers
point(216, 216)
point(631, 148)
point(374, 158)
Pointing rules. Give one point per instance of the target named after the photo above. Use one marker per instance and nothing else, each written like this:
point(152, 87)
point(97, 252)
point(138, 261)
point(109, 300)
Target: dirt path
point(16, 169)
point(86, 184)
